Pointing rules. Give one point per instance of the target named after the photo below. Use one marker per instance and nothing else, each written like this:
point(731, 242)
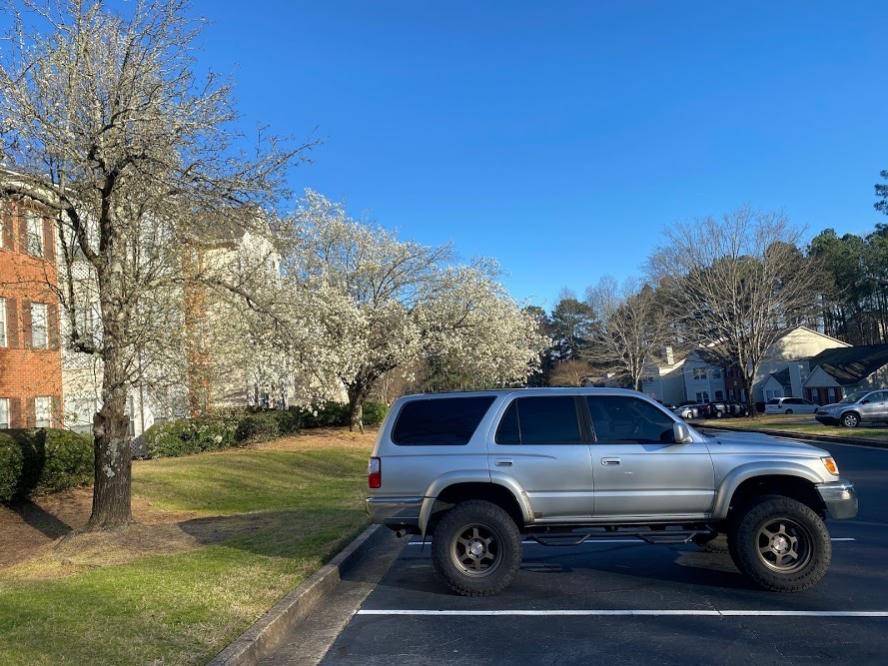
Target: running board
point(654, 536)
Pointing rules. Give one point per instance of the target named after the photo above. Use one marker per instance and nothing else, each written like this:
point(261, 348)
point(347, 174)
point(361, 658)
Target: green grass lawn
point(257, 522)
point(799, 423)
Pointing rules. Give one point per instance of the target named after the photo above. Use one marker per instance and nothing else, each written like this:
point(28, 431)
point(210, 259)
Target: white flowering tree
point(364, 303)
point(103, 120)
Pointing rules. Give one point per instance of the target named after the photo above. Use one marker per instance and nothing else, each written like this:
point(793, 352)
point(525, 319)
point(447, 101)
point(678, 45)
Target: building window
point(39, 326)
point(719, 395)
point(34, 235)
point(699, 373)
point(3, 338)
point(4, 413)
point(716, 373)
point(703, 396)
point(43, 412)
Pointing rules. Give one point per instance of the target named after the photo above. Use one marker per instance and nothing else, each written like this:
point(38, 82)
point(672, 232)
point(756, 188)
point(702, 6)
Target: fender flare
point(444, 481)
point(738, 475)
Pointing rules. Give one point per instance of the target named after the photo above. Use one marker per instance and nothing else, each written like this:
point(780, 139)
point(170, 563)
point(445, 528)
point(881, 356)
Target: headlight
point(830, 465)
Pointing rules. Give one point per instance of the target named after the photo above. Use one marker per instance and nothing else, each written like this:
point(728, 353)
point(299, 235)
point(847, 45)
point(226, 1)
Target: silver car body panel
point(579, 483)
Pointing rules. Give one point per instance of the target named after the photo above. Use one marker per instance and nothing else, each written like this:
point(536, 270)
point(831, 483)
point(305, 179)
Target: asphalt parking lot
point(625, 602)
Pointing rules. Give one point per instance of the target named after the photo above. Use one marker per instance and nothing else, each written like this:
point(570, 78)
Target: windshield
point(854, 397)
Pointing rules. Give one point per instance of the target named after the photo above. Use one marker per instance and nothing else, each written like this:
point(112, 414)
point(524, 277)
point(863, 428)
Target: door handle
point(611, 461)
point(503, 462)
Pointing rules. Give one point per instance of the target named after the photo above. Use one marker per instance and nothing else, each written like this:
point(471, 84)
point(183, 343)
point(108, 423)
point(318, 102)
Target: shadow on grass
point(292, 533)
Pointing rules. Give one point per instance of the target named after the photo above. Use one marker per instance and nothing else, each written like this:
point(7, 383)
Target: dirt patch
point(28, 528)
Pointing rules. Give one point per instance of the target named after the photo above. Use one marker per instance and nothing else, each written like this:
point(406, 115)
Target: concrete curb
point(803, 435)
point(269, 629)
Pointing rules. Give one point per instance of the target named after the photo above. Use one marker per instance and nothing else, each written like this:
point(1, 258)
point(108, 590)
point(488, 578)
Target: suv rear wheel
point(781, 545)
point(476, 549)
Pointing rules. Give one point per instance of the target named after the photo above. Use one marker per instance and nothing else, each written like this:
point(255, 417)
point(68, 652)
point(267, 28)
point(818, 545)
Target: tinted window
point(440, 421)
point(623, 420)
point(541, 420)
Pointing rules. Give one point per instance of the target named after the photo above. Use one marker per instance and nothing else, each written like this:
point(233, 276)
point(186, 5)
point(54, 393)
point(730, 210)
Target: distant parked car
point(790, 406)
point(737, 409)
point(855, 408)
point(686, 411)
point(717, 410)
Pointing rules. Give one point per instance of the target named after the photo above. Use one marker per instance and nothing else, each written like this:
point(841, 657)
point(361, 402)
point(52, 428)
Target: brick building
point(30, 357)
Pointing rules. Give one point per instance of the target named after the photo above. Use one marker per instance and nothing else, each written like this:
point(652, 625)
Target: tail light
point(374, 473)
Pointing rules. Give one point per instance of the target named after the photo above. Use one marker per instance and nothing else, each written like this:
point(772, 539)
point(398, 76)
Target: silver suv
point(476, 471)
point(856, 408)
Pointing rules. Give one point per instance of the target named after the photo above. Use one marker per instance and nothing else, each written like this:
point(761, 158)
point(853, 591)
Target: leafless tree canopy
point(736, 284)
point(630, 329)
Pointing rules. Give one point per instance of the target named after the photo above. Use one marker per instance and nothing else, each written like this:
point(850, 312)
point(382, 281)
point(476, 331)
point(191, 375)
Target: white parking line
point(609, 612)
point(591, 541)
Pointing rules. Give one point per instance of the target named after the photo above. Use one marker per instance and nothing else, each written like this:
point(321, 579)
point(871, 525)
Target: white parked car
point(790, 406)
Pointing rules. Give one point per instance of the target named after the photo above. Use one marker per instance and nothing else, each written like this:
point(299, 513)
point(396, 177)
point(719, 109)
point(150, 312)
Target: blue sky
point(563, 137)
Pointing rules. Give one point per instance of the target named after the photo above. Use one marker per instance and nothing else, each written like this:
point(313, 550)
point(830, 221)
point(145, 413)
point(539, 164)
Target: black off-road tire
point(748, 534)
point(491, 520)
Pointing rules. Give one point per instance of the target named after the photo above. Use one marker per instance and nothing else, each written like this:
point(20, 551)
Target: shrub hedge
point(42, 461)
point(227, 428)
point(49, 460)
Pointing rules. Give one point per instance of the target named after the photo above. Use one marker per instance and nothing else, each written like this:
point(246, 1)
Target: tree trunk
point(113, 457)
point(750, 398)
point(356, 396)
point(111, 505)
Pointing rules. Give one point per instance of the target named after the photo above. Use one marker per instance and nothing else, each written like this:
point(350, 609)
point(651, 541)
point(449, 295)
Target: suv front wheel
point(781, 545)
point(850, 420)
point(476, 549)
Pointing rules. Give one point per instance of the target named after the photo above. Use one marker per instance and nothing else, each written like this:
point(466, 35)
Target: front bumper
point(395, 512)
point(840, 499)
point(826, 419)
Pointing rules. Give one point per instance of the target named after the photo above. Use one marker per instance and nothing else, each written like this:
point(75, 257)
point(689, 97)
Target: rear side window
point(442, 421)
point(541, 420)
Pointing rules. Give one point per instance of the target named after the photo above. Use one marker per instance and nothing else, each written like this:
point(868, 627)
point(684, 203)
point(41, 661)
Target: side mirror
point(681, 434)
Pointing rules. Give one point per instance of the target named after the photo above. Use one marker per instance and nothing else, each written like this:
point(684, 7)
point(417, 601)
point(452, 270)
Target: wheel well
point(778, 484)
point(491, 492)
point(850, 411)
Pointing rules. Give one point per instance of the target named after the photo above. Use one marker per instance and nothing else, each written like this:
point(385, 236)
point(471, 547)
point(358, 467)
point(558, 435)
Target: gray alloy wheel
point(850, 420)
point(475, 551)
point(784, 545)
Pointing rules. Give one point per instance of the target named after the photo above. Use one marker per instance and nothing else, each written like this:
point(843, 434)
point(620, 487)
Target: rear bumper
point(395, 512)
point(840, 499)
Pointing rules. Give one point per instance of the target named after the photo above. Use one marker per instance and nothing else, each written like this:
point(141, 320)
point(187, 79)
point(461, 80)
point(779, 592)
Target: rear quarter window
point(439, 421)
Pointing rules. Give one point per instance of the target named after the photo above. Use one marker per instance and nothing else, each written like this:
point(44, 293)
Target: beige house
point(699, 377)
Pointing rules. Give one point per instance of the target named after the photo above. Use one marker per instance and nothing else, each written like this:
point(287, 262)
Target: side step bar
point(666, 535)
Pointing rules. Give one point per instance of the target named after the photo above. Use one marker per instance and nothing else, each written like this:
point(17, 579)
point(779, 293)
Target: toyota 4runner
point(478, 472)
